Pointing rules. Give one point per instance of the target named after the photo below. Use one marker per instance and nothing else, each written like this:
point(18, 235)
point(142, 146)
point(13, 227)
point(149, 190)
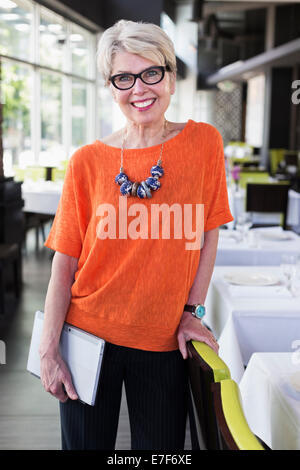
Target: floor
point(29, 418)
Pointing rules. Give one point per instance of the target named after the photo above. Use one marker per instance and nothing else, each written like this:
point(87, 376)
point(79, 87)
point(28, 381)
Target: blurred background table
point(237, 203)
point(270, 390)
point(262, 246)
point(41, 196)
point(251, 318)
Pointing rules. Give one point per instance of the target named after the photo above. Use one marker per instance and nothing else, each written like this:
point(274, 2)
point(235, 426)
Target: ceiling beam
point(288, 54)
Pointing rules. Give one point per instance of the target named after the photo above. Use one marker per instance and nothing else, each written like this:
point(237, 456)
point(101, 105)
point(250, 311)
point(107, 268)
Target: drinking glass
point(288, 268)
point(243, 224)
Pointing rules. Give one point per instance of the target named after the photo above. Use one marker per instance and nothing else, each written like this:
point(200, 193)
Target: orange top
point(135, 265)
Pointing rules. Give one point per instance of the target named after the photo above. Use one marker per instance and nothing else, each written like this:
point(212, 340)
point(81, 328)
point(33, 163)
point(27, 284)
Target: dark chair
point(207, 373)
point(36, 221)
point(233, 429)
point(205, 368)
point(268, 197)
point(9, 255)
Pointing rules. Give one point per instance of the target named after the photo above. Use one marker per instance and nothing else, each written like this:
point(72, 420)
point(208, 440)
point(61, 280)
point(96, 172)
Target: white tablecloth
point(271, 401)
point(42, 197)
point(251, 319)
point(258, 249)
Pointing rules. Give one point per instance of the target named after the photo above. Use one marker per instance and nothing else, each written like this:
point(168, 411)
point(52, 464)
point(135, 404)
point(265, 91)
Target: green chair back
point(35, 173)
point(58, 174)
point(205, 368)
point(253, 177)
point(211, 361)
point(234, 430)
point(19, 173)
point(210, 376)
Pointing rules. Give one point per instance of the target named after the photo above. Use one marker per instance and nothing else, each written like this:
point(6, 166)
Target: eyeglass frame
point(163, 68)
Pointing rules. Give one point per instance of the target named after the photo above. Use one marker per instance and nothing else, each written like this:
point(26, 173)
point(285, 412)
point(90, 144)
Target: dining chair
point(9, 256)
point(218, 419)
point(247, 177)
point(35, 173)
point(268, 198)
point(205, 367)
point(233, 429)
point(58, 174)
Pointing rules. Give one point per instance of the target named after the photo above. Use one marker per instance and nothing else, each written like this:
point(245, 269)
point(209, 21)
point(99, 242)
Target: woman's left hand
point(191, 328)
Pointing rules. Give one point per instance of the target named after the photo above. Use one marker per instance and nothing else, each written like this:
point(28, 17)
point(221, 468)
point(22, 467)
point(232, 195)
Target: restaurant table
point(262, 246)
point(41, 197)
point(250, 318)
point(270, 391)
point(237, 205)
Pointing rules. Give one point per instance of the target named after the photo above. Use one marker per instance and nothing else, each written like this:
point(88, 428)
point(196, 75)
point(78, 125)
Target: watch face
point(200, 311)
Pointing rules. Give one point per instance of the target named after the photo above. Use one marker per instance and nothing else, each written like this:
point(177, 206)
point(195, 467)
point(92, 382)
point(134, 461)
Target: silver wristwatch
point(197, 310)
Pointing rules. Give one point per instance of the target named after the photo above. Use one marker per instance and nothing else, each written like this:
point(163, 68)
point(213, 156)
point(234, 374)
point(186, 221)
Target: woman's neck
point(141, 136)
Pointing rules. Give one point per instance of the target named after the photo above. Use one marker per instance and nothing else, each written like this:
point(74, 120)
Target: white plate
point(255, 279)
point(279, 236)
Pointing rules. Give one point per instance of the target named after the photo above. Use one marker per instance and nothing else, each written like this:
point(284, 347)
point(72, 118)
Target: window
point(48, 85)
point(81, 58)
point(79, 113)
point(16, 95)
point(16, 20)
point(52, 40)
point(51, 119)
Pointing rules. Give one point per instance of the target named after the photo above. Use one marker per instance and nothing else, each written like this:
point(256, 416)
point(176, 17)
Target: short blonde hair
point(144, 39)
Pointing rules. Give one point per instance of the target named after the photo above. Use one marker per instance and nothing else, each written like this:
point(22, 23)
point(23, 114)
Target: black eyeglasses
point(150, 76)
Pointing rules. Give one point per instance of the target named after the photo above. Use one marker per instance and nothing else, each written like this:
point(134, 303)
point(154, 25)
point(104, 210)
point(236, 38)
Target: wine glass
point(243, 224)
point(288, 268)
point(295, 279)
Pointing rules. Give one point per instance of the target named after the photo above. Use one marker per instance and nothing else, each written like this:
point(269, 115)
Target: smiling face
point(142, 104)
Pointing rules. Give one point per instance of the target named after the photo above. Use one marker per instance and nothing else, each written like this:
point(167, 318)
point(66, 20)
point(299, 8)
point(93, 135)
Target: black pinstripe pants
point(156, 385)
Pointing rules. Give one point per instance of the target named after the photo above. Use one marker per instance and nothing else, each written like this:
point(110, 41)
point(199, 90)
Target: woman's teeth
point(143, 104)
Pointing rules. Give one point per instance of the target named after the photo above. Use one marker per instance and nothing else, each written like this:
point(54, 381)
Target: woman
point(125, 268)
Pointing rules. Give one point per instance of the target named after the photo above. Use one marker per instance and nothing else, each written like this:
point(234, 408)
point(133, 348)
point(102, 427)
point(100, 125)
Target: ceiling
point(239, 39)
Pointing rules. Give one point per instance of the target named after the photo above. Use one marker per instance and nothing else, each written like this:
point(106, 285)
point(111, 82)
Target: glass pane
point(16, 94)
point(53, 35)
point(105, 111)
point(79, 114)
point(15, 28)
point(52, 150)
point(79, 44)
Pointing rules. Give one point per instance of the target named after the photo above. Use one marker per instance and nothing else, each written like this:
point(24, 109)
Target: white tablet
point(82, 352)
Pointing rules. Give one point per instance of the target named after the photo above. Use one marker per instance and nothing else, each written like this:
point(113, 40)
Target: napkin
point(277, 291)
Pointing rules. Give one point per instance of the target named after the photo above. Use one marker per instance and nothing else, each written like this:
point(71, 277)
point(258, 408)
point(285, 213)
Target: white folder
point(82, 353)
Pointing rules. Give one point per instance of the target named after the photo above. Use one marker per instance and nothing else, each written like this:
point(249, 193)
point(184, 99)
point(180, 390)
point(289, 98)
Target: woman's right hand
point(56, 377)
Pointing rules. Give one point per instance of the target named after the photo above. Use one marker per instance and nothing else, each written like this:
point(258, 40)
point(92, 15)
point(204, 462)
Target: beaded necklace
point(140, 189)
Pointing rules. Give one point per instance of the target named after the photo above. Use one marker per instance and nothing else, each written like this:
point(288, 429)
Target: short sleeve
point(216, 208)
point(68, 228)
